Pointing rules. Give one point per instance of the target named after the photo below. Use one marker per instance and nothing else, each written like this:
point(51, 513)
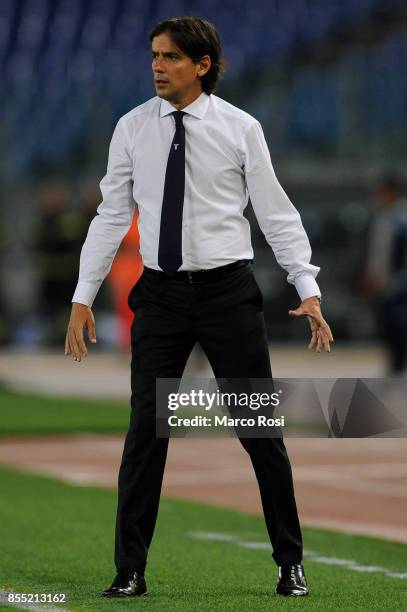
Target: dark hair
point(196, 37)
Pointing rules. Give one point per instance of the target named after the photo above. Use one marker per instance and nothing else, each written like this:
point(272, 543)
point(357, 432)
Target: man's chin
point(164, 95)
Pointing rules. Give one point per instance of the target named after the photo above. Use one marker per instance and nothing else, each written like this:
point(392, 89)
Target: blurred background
point(325, 78)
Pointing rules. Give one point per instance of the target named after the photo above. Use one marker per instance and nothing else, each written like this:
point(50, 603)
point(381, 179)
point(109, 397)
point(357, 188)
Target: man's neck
point(179, 105)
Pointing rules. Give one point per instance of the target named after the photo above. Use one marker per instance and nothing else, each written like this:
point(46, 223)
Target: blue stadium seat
point(63, 45)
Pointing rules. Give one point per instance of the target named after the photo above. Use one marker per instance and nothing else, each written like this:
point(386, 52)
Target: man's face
point(176, 76)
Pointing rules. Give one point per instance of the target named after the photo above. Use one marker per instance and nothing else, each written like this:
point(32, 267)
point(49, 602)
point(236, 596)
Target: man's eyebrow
point(167, 53)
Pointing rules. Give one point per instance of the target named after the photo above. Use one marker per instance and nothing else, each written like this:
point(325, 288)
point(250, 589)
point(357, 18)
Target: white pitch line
point(349, 564)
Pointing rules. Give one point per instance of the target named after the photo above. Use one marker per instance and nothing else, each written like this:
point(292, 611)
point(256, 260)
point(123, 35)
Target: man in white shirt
point(190, 161)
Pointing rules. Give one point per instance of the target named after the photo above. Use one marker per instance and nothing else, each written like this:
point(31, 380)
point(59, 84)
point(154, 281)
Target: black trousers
point(225, 316)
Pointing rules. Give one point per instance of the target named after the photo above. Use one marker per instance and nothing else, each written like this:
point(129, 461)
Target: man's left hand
point(321, 332)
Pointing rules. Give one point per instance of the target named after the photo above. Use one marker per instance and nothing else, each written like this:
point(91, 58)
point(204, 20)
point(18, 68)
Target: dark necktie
point(170, 243)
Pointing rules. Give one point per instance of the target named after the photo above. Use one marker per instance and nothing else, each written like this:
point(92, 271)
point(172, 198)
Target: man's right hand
point(81, 318)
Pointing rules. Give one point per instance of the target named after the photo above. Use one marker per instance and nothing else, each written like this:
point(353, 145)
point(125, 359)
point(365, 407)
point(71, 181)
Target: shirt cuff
point(85, 293)
point(307, 286)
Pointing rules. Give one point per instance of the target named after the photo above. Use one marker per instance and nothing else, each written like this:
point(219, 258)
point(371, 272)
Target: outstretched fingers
point(321, 334)
point(77, 344)
point(324, 339)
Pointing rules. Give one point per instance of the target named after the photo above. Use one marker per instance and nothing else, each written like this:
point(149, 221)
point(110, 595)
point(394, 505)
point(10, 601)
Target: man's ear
point(204, 65)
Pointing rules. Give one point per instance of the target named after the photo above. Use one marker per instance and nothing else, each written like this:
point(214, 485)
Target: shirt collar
point(197, 108)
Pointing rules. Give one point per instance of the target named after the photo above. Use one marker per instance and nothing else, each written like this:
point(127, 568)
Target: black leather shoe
point(128, 583)
point(291, 581)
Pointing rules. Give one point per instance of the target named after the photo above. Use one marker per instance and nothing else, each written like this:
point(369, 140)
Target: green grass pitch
point(30, 414)
point(58, 538)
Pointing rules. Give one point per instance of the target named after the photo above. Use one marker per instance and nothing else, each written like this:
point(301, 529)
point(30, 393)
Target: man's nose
point(157, 65)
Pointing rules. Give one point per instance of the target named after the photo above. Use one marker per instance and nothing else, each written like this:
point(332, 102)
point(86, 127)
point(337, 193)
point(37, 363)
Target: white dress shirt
point(226, 162)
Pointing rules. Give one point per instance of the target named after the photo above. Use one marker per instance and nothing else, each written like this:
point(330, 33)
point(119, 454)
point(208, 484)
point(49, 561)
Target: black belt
point(198, 276)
